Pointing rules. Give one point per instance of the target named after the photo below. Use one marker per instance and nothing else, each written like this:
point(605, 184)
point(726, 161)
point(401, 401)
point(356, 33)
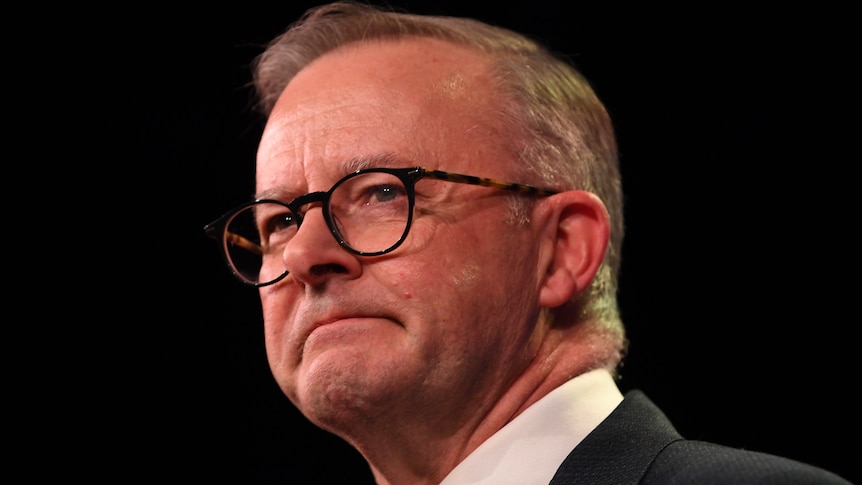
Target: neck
point(423, 449)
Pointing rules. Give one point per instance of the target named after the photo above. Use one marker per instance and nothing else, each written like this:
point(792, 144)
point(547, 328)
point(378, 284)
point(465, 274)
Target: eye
point(281, 221)
point(369, 189)
point(369, 196)
point(277, 225)
point(384, 193)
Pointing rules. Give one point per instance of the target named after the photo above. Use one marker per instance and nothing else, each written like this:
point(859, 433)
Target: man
point(436, 240)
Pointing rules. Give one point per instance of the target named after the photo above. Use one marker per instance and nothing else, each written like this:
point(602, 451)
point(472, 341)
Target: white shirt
point(529, 449)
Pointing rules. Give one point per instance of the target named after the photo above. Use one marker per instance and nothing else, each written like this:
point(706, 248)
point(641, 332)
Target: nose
point(313, 256)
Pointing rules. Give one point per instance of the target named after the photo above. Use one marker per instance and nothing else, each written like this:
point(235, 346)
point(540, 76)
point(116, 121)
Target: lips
point(333, 321)
point(309, 320)
point(342, 320)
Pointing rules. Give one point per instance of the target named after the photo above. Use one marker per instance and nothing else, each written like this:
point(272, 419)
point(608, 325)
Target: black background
point(739, 274)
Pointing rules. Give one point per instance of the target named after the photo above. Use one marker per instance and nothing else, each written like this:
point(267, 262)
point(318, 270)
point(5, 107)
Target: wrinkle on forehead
point(419, 98)
point(323, 125)
point(447, 70)
point(293, 117)
point(345, 167)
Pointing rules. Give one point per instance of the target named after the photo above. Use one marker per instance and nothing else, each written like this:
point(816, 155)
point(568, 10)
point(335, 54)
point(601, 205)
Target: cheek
point(454, 264)
point(277, 317)
point(430, 285)
point(467, 276)
point(405, 282)
point(275, 308)
point(431, 281)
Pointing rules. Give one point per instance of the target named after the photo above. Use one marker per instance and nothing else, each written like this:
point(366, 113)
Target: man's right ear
point(576, 235)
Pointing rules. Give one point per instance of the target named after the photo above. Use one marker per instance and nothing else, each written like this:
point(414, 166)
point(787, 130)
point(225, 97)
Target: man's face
point(442, 325)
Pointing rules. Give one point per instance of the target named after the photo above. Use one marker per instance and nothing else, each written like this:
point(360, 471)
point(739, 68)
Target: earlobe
point(578, 234)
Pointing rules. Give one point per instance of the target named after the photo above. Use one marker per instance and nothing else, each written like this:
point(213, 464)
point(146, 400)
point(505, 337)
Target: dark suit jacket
point(638, 444)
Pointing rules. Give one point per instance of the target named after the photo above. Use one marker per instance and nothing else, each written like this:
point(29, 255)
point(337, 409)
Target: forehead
point(439, 69)
point(419, 99)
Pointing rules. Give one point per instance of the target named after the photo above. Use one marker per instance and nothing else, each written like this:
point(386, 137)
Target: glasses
point(369, 212)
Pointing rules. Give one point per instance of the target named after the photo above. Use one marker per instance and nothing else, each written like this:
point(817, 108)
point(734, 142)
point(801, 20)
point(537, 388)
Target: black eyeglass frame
point(217, 229)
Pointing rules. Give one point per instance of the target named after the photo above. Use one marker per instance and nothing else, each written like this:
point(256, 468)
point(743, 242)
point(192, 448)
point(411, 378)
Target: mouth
point(345, 320)
point(343, 327)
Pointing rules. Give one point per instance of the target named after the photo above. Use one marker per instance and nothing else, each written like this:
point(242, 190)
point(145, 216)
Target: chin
point(346, 384)
point(332, 396)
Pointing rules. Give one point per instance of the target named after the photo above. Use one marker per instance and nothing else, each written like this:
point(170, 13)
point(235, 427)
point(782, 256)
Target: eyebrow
point(384, 160)
point(362, 162)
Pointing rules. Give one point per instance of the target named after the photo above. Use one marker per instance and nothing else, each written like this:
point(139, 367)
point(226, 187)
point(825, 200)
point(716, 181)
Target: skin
point(417, 356)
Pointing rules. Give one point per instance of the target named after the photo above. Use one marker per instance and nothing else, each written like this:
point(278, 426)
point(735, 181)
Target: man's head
point(565, 136)
point(494, 297)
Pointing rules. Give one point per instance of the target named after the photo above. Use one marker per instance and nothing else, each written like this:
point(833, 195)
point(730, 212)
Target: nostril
point(323, 269)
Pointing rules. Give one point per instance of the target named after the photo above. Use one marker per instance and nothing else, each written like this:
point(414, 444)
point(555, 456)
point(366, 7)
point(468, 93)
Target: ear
point(576, 237)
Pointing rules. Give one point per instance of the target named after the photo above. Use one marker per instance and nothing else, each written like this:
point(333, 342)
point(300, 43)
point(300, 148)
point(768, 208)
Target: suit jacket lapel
point(622, 447)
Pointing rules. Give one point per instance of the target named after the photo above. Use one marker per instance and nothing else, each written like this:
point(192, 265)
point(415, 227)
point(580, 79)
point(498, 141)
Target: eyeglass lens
point(368, 213)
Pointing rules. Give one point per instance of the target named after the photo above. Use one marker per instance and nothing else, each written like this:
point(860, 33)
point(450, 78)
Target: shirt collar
point(530, 448)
